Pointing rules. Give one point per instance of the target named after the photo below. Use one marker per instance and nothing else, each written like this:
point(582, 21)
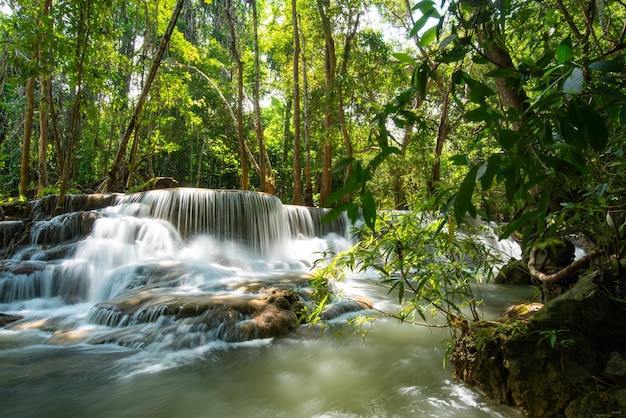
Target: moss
point(548, 363)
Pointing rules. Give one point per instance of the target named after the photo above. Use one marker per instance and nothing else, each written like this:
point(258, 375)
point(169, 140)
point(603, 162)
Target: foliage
point(546, 115)
point(430, 265)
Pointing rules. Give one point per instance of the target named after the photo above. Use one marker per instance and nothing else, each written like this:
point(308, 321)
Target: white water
point(62, 360)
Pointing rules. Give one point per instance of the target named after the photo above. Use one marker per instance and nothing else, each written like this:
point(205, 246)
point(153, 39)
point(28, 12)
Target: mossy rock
point(154, 184)
point(515, 272)
point(549, 364)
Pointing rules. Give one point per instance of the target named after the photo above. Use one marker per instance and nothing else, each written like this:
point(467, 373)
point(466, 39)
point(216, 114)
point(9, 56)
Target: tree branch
point(581, 263)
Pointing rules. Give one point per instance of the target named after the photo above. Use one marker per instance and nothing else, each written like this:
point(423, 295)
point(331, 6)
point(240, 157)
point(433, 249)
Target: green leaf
point(463, 201)
point(337, 211)
point(421, 22)
point(455, 54)
point(575, 83)
point(369, 210)
point(406, 95)
point(459, 159)
point(611, 66)
point(517, 224)
point(429, 36)
point(502, 73)
point(565, 52)
point(420, 78)
point(493, 164)
point(622, 115)
point(403, 57)
point(482, 114)
point(595, 128)
point(424, 5)
point(507, 138)
point(447, 41)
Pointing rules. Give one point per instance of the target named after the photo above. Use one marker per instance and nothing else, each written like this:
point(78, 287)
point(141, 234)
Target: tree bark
point(45, 83)
point(267, 182)
point(74, 128)
point(442, 135)
point(28, 128)
point(308, 187)
point(580, 263)
point(115, 179)
point(240, 134)
point(330, 66)
point(347, 142)
point(297, 170)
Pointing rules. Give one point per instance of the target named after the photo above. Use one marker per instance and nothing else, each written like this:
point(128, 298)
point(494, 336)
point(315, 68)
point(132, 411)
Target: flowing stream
point(101, 331)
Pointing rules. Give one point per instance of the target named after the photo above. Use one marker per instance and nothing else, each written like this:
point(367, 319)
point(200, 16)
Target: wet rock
point(616, 366)
point(520, 311)
point(270, 313)
point(156, 183)
point(549, 363)
point(7, 319)
point(24, 267)
point(515, 272)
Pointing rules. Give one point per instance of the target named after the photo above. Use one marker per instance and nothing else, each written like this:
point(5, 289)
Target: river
point(60, 361)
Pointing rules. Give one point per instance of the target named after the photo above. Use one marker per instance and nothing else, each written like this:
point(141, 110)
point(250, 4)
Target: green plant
point(552, 338)
point(429, 264)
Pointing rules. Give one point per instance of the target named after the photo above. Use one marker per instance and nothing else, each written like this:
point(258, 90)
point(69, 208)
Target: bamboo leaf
point(429, 36)
point(518, 223)
point(463, 202)
point(369, 210)
point(565, 52)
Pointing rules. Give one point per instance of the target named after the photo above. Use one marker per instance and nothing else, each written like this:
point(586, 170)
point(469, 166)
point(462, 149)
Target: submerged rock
point(232, 318)
point(7, 319)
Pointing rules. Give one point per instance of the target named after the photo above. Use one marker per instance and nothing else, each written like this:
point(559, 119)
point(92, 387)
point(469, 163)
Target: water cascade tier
point(164, 269)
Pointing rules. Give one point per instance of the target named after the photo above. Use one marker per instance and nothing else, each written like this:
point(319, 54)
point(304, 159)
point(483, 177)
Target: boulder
point(269, 313)
point(564, 360)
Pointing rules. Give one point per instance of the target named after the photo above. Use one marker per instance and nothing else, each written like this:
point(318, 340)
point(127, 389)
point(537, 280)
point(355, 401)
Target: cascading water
point(199, 290)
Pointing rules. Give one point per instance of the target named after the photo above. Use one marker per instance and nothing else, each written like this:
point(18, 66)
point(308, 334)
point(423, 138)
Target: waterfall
point(257, 220)
point(166, 267)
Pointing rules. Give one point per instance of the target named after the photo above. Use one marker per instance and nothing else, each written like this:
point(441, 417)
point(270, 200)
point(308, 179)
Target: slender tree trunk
point(55, 126)
point(28, 128)
point(341, 111)
point(442, 135)
point(308, 187)
point(258, 128)
point(329, 67)
point(74, 127)
point(43, 112)
point(297, 170)
point(43, 141)
point(115, 180)
point(240, 133)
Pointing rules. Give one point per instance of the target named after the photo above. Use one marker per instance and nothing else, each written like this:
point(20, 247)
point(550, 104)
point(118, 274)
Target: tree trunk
point(43, 141)
point(28, 128)
point(240, 134)
point(266, 176)
point(74, 127)
point(442, 135)
point(115, 179)
point(297, 170)
point(258, 128)
point(329, 67)
point(43, 112)
point(347, 143)
point(308, 187)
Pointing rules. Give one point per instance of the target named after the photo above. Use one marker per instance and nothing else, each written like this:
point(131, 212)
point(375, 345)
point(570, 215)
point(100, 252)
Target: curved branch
point(582, 262)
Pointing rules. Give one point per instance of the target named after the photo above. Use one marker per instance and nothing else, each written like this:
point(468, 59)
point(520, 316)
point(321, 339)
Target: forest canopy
point(511, 109)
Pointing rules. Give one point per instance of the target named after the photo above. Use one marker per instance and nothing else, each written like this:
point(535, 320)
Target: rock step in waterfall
point(165, 268)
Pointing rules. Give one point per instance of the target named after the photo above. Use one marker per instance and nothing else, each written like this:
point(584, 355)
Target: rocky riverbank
point(567, 358)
